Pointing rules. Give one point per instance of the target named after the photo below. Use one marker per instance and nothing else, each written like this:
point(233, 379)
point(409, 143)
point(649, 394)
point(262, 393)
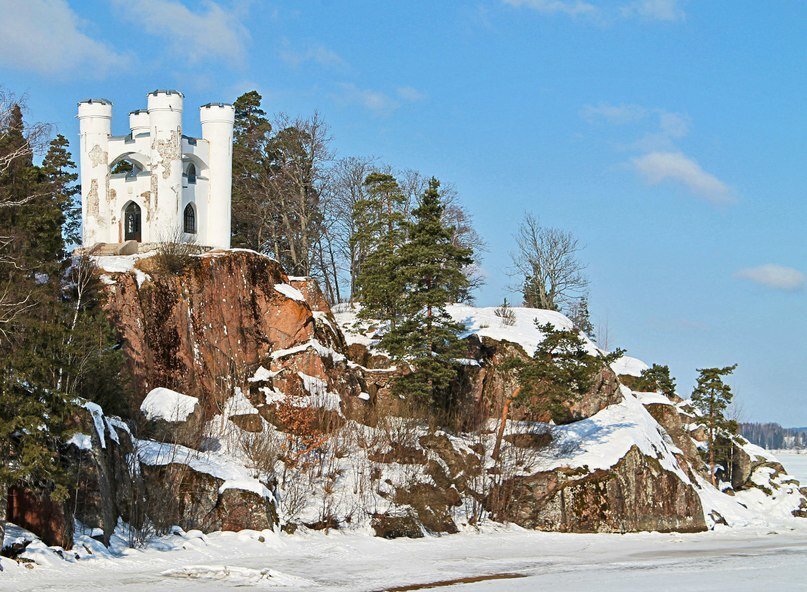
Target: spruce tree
point(711, 398)
point(430, 271)
point(381, 230)
point(59, 170)
point(32, 414)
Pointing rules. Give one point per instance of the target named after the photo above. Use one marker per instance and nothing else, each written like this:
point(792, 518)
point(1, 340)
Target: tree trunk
point(502, 423)
point(712, 456)
point(3, 509)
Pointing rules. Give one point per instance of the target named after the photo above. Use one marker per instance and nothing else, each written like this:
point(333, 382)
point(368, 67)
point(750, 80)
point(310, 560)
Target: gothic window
point(191, 174)
point(190, 219)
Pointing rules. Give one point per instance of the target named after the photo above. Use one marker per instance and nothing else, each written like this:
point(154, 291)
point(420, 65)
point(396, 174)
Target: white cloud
point(651, 10)
point(45, 36)
point(378, 101)
point(673, 125)
point(670, 124)
point(192, 35)
point(657, 167)
point(410, 94)
point(318, 54)
point(655, 10)
point(774, 276)
point(570, 7)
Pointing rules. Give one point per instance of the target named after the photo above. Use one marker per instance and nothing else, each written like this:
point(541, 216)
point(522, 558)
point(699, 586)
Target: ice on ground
point(163, 403)
point(97, 420)
point(795, 461)
point(726, 559)
point(237, 576)
point(290, 292)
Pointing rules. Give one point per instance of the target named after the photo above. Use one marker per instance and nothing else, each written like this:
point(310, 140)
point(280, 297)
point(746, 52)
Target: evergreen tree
point(59, 170)
point(251, 134)
point(55, 342)
point(561, 370)
point(32, 414)
point(711, 398)
point(430, 268)
point(580, 316)
point(657, 378)
point(380, 232)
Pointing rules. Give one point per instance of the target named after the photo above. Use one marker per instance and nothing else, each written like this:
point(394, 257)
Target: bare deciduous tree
point(546, 265)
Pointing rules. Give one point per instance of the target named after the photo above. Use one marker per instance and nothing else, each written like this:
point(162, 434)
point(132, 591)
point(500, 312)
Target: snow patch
point(290, 292)
point(80, 441)
point(168, 405)
point(233, 474)
point(312, 344)
point(629, 366)
point(262, 375)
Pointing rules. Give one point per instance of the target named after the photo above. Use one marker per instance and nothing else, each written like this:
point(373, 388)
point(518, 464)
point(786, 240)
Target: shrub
point(506, 314)
point(176, 253)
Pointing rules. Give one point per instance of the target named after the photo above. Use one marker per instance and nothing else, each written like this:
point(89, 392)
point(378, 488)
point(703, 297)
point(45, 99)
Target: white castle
point(174, 187)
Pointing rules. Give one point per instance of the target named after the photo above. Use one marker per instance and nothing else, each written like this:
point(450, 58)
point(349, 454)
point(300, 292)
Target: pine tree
point(711, 398)
point(561, 370)
point(251, 134)
point(657, 378)
point(430, 268)
point(381, 230)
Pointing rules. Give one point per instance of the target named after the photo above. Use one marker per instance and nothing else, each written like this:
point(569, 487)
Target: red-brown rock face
point(220, 317)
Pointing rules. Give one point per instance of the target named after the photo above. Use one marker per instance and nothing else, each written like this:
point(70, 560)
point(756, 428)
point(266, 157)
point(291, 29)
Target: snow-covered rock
point(168, 405)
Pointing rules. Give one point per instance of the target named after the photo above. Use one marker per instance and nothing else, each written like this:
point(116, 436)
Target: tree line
point(773, 436)
point(55, 341)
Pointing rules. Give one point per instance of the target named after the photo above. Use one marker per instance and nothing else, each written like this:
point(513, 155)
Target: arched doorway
point(131, 222)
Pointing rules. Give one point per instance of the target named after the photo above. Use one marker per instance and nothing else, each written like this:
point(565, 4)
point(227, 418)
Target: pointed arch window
point(191, 174)
point(190, 219)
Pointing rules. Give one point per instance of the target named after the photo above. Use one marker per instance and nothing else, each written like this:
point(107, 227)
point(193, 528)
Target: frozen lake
point(735, 559)
point(796, 464)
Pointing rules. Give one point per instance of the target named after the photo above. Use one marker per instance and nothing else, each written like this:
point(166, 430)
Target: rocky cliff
point(255, 406)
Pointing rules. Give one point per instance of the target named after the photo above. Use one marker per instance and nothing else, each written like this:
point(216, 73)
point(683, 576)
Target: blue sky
point(669, 136)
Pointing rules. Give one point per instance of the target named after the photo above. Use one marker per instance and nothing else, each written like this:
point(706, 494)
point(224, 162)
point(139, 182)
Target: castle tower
point(95, 126)
point(217, 128)
point(139, 122)
point(165, 124)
